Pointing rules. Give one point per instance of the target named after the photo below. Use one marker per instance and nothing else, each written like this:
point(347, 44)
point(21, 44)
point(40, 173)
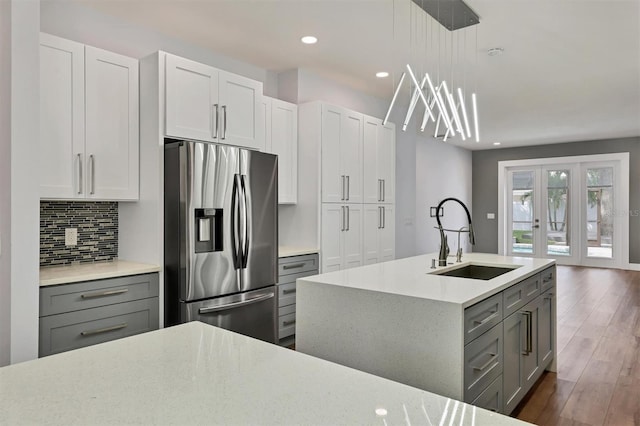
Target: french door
point(570, 212)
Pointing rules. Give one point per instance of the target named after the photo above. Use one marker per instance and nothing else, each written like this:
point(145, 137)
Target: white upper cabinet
point(208, 104)
point(281, 138)
point(111, 105)
point(341, 155)
point(89, 133)
point(379, 161)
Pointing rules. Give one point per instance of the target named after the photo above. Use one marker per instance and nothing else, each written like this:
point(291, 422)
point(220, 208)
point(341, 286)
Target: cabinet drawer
point(547, 279)
point(63, 332)
point(491, 398)
point(286, 325)
point(297, 264)
point(482, 316)
point(286, 294)
point(91, 294)
point(516, 296)
point(286, 310)
point(482, 362)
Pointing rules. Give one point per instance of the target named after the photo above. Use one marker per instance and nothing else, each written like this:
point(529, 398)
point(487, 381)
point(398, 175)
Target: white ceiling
point(570, 69)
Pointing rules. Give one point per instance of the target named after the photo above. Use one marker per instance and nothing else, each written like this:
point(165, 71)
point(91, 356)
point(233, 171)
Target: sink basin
point(476, 272)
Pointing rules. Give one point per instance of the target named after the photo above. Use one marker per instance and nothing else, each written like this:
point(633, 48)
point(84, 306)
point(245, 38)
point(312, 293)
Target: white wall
point(25, 185)
point(442, 171)
point(405, 186)
point(5, 182)
point(82, 24)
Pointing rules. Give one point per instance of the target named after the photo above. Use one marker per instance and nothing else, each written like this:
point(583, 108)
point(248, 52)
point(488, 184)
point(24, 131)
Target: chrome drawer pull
point(103, 330)
point(492, 357)
point(288, 291)
point(294, 266)
point(286, 323)
point(491, 316)
point(104, 293)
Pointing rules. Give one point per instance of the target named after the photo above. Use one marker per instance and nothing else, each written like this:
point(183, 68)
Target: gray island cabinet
point(485, 342)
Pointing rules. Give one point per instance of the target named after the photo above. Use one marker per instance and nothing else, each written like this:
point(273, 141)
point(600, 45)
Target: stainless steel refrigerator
point(221, 237)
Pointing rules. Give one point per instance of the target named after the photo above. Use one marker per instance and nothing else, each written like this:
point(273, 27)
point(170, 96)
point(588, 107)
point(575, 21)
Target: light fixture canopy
point(309, 39)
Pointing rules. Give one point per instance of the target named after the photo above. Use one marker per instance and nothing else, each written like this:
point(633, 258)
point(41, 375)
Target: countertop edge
point(124, 268)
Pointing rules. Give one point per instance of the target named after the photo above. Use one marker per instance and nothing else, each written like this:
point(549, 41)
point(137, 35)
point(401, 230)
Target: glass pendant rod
point(439, 102)
point(475, 116)
point(464, 112)
point(420, 93)
point(393, 100)
point(412, 105)
point(452, 105)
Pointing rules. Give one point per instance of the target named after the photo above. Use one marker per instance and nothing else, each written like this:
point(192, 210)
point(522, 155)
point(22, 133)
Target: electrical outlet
point(71, 236)
point(491, 215)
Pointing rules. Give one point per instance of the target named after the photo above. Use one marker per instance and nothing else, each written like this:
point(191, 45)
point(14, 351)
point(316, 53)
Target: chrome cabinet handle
point(492, 357)
point(104, 293)
point(379, 217)
point(348, 219)
point(235, 304)
point(342, 220)
point(384, 189)
point(286, 323)
point(528, 335)
point(384, 218)
point(79, 173)
point(294, 266)
point(214, 120)
point(289, 291)
point(379, 189)
point(348, 187)
point(491, 316)
point(103, 330)
point(224, 122)
point(92, 174)
point(342, 180)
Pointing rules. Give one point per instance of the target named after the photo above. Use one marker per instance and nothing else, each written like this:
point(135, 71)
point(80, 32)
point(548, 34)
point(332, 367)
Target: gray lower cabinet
point(85, 313)
point(290, 269)
point(504, 361)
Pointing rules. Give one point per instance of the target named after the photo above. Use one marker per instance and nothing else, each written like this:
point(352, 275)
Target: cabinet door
point(514, 347)
point(387, 161)
point(388, 233)
point(371, 233)
point(546, 327)
point(284, 137)
point(191, 100)
point(333, 217)
point(333, 179)
point(351, 155)
point(372, 182)
point(352, 245)
point(61, 142)
point(531, 361)
point(240, 119)
point(111, 146)
point(266, 118)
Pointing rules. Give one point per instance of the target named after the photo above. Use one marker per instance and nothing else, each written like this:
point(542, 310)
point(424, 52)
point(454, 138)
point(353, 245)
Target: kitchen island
point(453, 336)
point(195, 373)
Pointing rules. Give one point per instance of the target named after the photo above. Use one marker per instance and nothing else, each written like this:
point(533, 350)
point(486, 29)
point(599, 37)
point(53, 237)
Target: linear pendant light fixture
point(452, 15)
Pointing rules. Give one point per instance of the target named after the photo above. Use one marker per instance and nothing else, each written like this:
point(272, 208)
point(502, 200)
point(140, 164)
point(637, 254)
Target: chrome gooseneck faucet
point(444, 247)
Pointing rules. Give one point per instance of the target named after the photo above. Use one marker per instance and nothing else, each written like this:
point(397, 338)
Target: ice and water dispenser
point(208, 230)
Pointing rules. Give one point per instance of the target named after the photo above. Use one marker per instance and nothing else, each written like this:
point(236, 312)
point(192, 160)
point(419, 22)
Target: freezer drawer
point(252, 313)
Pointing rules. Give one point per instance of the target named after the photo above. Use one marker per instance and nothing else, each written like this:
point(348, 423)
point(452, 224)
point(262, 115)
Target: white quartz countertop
point(284, 251)
point(52, 275)
point(199, 374)
point(413, 277)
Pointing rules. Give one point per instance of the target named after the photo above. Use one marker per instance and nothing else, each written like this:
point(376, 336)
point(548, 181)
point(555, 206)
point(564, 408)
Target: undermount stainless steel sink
point(476, 272)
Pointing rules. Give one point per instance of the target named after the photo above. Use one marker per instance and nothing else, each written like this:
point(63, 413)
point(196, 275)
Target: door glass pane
point(600, 212)
point(522, 212)
point(558, 225)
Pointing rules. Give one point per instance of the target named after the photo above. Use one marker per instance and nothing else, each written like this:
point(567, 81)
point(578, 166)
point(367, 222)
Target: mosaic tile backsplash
point(97, 224)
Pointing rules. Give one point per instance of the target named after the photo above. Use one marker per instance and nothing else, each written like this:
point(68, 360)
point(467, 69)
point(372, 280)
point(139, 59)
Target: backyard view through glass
point(558, 226)
point(600, 212)
point(522, 212)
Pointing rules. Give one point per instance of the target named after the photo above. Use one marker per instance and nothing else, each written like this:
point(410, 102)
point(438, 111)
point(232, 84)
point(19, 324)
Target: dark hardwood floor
point(598, 378)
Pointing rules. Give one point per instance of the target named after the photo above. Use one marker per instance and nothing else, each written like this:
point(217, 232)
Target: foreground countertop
point(53, 275)
point(287, 251)
point(413, 277)
point(199, 374)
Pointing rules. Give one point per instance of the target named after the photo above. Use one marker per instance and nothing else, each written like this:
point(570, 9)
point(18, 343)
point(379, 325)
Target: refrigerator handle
point(235, 212)
point(245, 220)
point(236, 304)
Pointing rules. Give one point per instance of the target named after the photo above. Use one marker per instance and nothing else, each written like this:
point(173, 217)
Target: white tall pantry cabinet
point(349, 159)
point(89, 135)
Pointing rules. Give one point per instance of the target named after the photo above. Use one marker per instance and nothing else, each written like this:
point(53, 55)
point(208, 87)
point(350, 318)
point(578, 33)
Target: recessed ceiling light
point(496, 143)
point(382, 74)
point(309, 40)
point(381, 412)
point(495, 51)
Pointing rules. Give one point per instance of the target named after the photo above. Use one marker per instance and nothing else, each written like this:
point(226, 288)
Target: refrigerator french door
point(221, 237)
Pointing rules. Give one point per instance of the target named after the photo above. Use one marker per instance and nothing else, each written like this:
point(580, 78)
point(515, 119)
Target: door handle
point(342, 188)
point(234, 222)
point(528, 332)
point(384, 217)
point(92, 175)
point(233, 305)
point(379, 217)
point(348, 219)
point(79, 173)
point(342, 221)
point(214, 121)
point(224, 122)
point(245, 220)
point(348, 188)
point(384, 189)
point(379, 189)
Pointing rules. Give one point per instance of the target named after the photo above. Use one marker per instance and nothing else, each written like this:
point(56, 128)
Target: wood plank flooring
point(598, 378)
